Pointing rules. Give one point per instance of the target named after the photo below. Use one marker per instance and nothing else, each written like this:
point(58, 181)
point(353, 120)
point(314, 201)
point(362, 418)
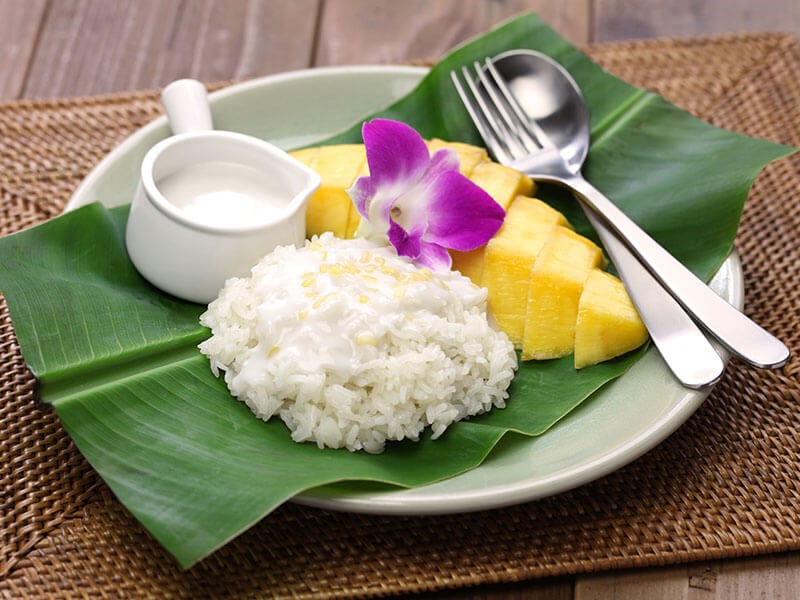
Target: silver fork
point(659, 285)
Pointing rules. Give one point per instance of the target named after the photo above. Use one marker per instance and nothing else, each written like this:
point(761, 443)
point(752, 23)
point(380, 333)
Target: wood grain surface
point(57, 48)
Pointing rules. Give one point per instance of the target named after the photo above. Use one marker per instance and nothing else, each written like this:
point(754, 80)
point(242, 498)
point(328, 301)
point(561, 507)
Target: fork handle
point(684, 348)
point(731, 328)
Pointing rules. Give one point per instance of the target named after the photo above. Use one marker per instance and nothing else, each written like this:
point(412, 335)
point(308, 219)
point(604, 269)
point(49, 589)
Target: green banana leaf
point(118, 358)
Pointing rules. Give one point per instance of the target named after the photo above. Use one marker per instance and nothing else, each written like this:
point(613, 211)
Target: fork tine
point(481, 117)
point(512, 124)
point(507, 131)
point(487, 100)
point(529, 126)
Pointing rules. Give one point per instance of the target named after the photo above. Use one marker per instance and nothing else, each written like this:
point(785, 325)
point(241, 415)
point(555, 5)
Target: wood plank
point(655, 584)
point(92, 46)
point(626, 19)
point(19, 26)
point(388, 31)
point(776, 577)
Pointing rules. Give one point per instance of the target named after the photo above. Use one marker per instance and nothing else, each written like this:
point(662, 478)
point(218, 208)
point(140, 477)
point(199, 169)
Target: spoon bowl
point(548, 94)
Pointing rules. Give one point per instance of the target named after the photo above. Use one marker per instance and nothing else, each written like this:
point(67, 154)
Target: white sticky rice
point(352, 345)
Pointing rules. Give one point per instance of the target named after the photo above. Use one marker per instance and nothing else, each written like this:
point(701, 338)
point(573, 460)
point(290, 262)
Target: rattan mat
point(724, 485)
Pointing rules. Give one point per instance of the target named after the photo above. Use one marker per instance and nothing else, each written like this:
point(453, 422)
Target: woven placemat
point(724, 485)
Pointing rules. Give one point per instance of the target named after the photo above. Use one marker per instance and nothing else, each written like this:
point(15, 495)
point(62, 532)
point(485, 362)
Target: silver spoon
point(551, 102)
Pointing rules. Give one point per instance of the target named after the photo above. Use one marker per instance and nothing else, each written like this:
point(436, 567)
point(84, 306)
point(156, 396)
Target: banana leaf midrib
point(70, 383)
point(605, 128)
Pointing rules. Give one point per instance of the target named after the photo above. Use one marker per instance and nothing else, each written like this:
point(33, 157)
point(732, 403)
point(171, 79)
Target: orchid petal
point(396, 153)
point(413, 245)
point(413, 203)
point(434, 256)
point(461, 215)
point(454, 211)
point(444, 159)
point(406, 243)
point(374, 206)
point(362, 192)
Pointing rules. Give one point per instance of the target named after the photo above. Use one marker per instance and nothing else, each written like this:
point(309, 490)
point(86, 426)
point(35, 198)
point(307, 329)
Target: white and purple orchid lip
point(420, 203)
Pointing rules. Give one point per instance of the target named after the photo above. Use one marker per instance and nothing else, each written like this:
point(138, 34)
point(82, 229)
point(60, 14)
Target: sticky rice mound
point(352, 345)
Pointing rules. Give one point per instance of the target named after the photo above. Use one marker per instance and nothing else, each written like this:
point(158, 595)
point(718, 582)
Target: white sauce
point(223, 194)
point(345, 300)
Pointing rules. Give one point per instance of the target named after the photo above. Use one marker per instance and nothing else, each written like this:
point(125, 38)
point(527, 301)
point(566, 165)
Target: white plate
point(618, 424)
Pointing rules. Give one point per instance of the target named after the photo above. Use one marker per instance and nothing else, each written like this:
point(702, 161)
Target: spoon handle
point(684, 348)
point(731, 328)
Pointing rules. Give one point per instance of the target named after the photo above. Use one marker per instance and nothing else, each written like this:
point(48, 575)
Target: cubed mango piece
point(469, 263)
point(506, 275)
point(330, 207)
point(554, 290)
point(526, 216)
point(501, 183)
point(608, 324)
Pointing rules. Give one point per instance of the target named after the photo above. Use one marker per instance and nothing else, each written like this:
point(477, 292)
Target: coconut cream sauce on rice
point(353, 345)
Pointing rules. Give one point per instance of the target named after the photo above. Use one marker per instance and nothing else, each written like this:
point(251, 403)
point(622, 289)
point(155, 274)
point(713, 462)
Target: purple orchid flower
point(421, 203)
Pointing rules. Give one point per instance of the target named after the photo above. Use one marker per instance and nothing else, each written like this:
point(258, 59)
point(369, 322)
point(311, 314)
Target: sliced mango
point(469, 156)
point(506, 272)
point(469, 263)
point(608, 324)
point(307, 156)
point(527, 215)
point(506, 275)
point(330, 207)
point(501, 183)
point(526, 218)
point(554, 290)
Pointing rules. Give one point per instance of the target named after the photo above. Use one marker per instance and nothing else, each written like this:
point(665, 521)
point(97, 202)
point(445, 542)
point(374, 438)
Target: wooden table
point(52, 48)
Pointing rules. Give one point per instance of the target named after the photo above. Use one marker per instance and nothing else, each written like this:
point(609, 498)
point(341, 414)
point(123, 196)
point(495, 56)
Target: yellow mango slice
point(554, 290)
point(525, 216)
point(353, 221)
point(501, 183)
point(506, 275)
point(507, 268)
point(469, 156)
point(504, 185)
point(526, 219)
point(307, 156)
point(330, 206)
point(469, 263)
point(509, 258)
point(608, 324)
point(327, 210)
